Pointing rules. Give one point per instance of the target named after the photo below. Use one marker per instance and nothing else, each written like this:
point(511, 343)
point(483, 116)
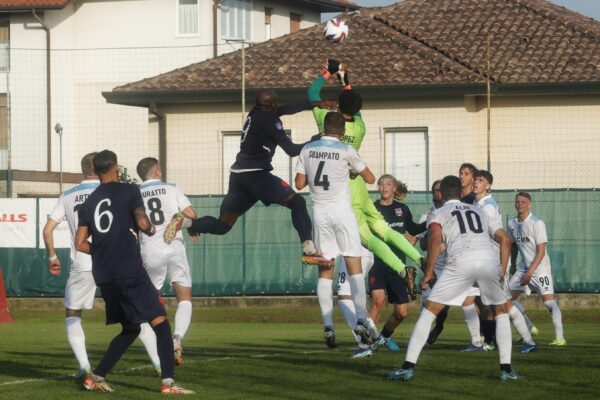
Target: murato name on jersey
point(155, 192)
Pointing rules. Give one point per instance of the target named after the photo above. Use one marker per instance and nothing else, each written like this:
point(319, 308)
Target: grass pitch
point(278, 353)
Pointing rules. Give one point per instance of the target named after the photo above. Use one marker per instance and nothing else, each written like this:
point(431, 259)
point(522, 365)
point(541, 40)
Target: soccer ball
point(335, 30)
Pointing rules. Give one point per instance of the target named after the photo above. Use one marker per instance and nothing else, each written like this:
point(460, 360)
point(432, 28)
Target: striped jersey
point(162, 200)
point(66, 208)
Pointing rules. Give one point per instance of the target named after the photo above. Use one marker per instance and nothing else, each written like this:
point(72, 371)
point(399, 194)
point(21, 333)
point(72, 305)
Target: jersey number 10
point(472, 220)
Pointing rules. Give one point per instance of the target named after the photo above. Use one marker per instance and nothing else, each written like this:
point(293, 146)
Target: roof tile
point(415, 42)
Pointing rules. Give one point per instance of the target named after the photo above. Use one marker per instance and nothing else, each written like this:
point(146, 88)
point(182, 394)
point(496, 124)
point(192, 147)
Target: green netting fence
point(261, 254)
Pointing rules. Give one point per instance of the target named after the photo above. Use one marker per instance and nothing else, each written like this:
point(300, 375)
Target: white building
point(97, 45)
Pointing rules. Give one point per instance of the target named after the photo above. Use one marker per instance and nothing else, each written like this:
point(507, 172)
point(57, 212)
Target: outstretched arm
point(48, 234)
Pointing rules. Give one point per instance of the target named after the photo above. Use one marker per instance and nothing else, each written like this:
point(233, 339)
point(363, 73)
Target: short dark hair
point(87, 164)
point(450, 187)
point(485, 175)
point(334, 123)
point(350, 102)
point(470, 166)
point(523, 194)
point(145, 165)
point(104, 161)
point(436, 182)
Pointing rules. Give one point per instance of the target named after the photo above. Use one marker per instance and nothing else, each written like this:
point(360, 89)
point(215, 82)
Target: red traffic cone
point(5, 317)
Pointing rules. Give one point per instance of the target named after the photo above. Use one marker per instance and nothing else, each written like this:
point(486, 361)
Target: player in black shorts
point(113, 215)
point(381, 278)
point(250, 179)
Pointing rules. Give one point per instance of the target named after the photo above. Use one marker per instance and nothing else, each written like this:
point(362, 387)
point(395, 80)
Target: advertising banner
point(17, 223)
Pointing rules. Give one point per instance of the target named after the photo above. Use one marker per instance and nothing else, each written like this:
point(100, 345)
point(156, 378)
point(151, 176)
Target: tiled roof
point(415, 42)
point(28, 4)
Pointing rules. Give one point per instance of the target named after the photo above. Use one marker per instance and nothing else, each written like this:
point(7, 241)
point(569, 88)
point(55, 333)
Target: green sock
point(401, 243)
point(381, 250)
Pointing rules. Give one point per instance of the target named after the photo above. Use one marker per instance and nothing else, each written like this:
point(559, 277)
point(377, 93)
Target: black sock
point(116, 348)
point(300, 218)
point(506, 368)
point(408, 365)
point(488, 330)
point(441, 318)
point(164, 344)
point(387, 332)
point(210, 225)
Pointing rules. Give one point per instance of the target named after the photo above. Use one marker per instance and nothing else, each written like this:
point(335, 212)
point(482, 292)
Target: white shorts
point(80, 290)
point(336, 232)
point(343, 284)
point(459, 277)
point(167, 261)
point(540, 281)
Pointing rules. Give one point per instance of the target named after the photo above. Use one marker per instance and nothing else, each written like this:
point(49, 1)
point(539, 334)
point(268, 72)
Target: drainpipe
point(216, 4)
point(48, 92)
point(162, 138)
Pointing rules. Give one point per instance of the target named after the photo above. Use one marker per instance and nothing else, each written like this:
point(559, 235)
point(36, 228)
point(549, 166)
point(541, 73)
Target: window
point(406, 156)
point(3, 122)
point(282, 163)
point(4, 44)
point(268, 14)
point(295, 20)
point(235, 19)
point(187, 17)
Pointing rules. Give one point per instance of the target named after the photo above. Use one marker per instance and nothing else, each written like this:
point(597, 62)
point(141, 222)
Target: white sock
point(347, 307)
point(148, 339)
point(186, 223)
point(520, 325)
point(183, 317)
point(359, 295)
point(325, 297)
point(552, 306)
point(76, 339)
point(503, 338)
point(521, 308)
point(472, 321)
point(419, 335)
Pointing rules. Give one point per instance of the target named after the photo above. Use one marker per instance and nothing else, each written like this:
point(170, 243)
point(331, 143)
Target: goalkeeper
point(371, 224)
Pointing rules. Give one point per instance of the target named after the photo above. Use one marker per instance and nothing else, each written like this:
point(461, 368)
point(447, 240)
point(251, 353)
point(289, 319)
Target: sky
point(590, 8)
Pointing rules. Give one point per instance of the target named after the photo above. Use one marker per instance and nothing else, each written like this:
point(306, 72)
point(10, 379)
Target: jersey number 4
point(321, 180)
point(472, 220)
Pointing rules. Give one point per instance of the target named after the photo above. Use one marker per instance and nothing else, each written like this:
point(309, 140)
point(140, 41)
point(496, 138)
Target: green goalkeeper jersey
point(355, 128)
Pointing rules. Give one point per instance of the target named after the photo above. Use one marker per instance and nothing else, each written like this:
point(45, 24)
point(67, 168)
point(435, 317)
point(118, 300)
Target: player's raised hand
point(330, 67)
point(54, 266)
point(343, 77)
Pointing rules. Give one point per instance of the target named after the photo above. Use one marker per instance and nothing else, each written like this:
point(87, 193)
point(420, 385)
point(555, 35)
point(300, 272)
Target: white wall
point(98, 45)
point(537, 142)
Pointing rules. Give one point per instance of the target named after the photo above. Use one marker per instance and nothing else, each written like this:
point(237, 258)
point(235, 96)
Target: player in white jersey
point(323, 166)
point(482, 186)
point(164, 200)
point(80, 289)
point(529, 237)
point(471, 259)
point(345, 302)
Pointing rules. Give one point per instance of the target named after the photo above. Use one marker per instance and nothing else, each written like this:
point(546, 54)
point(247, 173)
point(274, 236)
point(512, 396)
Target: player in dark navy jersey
point(466, 174)
point(381, 278)
point(112, 215)
point(250, 179)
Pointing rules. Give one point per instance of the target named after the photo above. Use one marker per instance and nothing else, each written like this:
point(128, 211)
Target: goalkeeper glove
point(344, 79)
point(330, 67)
